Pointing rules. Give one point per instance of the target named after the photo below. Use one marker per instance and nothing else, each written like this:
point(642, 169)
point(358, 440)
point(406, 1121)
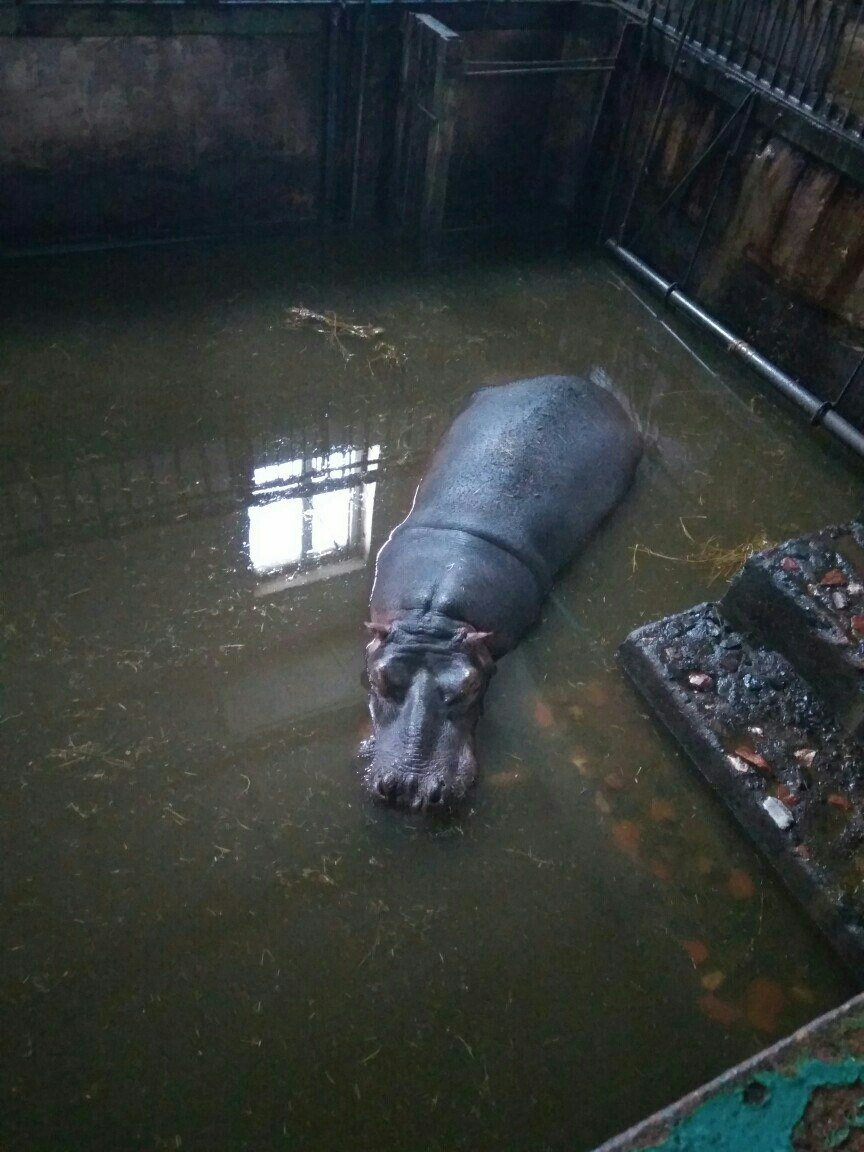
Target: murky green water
point(211, 940)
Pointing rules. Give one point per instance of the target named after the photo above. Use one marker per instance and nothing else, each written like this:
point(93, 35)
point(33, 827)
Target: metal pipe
point(817, 410)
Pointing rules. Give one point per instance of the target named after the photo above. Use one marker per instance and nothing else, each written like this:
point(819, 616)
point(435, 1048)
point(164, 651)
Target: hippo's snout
point(432, 790)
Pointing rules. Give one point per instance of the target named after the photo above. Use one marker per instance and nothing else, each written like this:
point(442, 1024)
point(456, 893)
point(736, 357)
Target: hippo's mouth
point(432, 787)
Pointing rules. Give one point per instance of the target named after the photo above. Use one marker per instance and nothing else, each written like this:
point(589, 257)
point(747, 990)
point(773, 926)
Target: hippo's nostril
point(437, 792)
point(381, 788)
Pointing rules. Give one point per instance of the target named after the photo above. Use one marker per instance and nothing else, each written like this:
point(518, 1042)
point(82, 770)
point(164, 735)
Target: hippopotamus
point(519, 482)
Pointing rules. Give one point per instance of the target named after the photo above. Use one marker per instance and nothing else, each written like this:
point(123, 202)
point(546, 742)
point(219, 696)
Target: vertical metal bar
point(605, 83)
point(750, 101)
point(769, 37)
point(723, 26)
point(658, 113)
point(745, 63)
point(694, 168)
point(625, 129)
point(781, 51)
point(404, 135)
point(853, 97)
point(439, 149)
point(361, 98)
point(816, 49)
point(736, 28)
point(331, 103)
point(823, 97)
point(714, 23)
point(854, 35)
point(806, 27)
point(850, 380)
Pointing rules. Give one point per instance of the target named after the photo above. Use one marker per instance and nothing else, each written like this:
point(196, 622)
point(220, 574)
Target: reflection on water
point(312, 514)
point(211, 939)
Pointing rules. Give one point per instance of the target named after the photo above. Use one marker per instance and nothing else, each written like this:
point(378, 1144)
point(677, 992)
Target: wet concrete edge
point(817, 895)
point(825, 1055)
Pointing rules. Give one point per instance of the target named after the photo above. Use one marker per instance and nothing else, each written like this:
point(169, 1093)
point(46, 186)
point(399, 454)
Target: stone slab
point(793, 778)
point(805, 598)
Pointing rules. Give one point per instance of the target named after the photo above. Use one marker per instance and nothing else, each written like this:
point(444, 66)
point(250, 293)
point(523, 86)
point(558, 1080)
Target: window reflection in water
point(313, 514)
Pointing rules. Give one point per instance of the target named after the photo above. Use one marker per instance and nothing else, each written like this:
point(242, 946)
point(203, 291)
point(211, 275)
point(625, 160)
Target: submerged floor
point(212, 940)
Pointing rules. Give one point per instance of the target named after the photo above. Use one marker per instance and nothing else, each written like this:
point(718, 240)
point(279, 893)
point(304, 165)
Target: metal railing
point(809, 53)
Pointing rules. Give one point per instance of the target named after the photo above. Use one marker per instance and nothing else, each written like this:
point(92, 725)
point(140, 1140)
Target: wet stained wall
point(148, 123)
point(143, 136)
point(782, 258)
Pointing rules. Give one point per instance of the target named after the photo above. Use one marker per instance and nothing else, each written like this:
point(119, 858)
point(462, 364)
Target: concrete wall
point(144, 135)
point(148, 120)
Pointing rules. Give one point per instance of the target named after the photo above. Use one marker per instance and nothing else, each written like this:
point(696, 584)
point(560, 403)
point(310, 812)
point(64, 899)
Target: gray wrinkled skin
point(427, 679)
point(519, 483)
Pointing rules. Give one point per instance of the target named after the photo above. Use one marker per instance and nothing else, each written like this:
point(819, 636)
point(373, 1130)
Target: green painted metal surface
point(764, 1113)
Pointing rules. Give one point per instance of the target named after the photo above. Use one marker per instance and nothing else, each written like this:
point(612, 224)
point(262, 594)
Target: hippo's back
point(533, 466)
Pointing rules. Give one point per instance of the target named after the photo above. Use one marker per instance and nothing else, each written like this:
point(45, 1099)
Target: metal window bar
point(803, 52)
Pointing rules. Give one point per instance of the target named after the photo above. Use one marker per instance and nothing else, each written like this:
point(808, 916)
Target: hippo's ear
point(476, 643)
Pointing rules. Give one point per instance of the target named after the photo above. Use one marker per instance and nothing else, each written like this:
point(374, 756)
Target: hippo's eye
point(460, 684)
point(387, 681)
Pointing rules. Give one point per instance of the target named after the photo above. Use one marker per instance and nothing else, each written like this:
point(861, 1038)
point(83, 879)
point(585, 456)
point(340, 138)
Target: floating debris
point(720, 560)
point(778, 812)
point(697, 950)
point(338, 330)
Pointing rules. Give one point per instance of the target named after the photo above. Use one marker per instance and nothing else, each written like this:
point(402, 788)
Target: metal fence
point(809, 53)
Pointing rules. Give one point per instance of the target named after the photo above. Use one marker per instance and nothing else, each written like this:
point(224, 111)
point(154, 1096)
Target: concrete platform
point(771, 749)
point(765, 693)
point(805, 599)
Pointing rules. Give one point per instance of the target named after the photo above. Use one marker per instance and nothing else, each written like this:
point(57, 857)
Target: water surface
point(211, 939)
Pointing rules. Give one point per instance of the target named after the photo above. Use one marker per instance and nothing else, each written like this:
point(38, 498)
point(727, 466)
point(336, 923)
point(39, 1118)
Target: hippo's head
point(427, 680)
